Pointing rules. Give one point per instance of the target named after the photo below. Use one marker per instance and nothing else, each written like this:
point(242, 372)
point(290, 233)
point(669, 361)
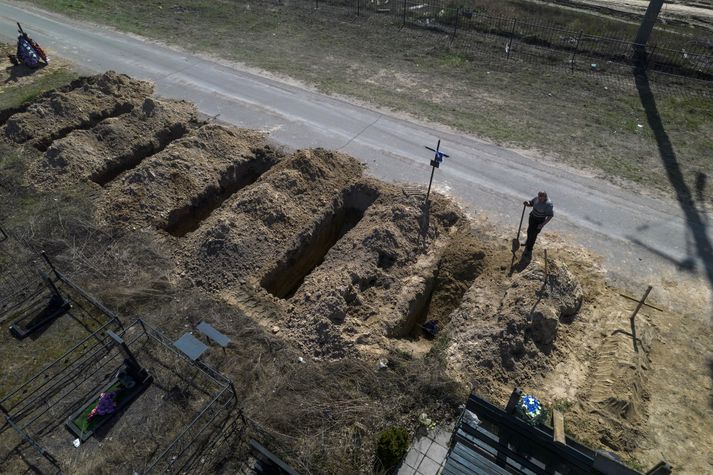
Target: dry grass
point(322, 417)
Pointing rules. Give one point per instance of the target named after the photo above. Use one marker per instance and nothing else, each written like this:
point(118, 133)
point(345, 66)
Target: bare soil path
point(699, 13)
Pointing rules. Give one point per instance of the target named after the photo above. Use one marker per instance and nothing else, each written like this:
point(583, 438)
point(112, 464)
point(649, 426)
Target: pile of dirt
point(274, 215)
point(89, 101)
point(115, 145)
point(377, 281)
point(510, 330)
point(172, 188)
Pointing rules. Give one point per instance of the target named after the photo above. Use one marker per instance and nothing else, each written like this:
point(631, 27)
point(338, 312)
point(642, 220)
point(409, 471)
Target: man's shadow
point(521, 264)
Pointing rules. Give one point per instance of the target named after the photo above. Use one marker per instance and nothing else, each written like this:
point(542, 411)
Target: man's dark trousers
point(532, 232)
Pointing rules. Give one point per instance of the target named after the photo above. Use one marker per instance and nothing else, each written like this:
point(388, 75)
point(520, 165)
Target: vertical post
point(455, 25)
point(558, 426)
point(512, 35)
point(316, 4)
point(435, 163)
point(576, 48)
point(433, 170)
point(358, 2)
point(633, 317)
point(124, 349)
point(403, 24)
point(647, 23)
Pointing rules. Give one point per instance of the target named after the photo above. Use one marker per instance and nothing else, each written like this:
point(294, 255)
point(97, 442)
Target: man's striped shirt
point(541, 210)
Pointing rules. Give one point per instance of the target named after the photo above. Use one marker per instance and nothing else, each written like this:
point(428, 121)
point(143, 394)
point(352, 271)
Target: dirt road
point(642, 239)
point(696, 13)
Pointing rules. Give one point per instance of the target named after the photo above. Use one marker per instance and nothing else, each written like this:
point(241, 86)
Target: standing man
point(541, 214)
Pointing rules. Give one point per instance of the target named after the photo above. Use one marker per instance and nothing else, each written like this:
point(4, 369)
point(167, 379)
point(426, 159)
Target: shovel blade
point(515, 245)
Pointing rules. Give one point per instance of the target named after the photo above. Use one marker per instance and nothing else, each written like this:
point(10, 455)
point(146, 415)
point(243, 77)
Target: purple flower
point(106, 405)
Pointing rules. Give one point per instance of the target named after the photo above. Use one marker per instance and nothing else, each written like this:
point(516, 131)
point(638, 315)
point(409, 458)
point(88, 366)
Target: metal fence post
point(576, 47)
point(512, 35)
point(455, 25)
point(403, 24)
point(358, 2)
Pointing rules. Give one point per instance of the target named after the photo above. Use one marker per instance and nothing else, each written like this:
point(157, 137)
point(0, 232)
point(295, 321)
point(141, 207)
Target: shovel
point(516, 241)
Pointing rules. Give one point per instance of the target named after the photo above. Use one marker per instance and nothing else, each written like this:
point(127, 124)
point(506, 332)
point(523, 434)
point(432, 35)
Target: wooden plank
point(645, 304)
point(558, 424)
point(474, 463)
point(209, 331)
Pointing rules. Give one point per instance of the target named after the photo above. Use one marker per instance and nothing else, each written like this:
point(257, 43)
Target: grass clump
point(391, 446)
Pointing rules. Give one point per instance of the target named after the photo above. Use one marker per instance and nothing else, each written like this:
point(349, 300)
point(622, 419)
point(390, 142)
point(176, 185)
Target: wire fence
point(473, 32)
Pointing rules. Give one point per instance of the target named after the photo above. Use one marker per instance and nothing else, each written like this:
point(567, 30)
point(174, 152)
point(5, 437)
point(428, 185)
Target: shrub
point(391, 446)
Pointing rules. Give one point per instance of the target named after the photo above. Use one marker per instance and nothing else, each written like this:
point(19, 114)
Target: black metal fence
point(472, 32)
point(36, 409)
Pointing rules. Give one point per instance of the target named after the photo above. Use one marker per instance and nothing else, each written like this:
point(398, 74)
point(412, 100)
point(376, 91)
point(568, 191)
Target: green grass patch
point(15, 95)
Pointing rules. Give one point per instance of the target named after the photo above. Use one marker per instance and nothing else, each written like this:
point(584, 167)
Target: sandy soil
point(341, 265)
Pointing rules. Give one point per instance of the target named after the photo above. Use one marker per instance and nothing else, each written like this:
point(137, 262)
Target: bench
point(209, 331)
point(191, 346)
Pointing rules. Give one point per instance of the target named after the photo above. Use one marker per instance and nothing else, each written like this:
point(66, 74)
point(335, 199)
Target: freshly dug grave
point(115, 145)
point(376, 283)
point(175, 188)
point(275, 214)
point(89, 101)
point(518, 322)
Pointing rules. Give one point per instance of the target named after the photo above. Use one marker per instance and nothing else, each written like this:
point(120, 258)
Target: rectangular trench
point(187, 219)
point(118, 165)
point(120, 108)
point(442, 291)
point(287, 276)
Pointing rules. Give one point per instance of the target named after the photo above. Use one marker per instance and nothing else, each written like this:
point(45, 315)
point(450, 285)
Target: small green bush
point(391, 446)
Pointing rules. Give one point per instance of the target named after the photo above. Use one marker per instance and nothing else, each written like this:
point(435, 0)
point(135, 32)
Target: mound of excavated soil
point(377, 281)
point(514, 328)
point(114, 145)
point(254, 227)
point(165, 189)
point(89, 101)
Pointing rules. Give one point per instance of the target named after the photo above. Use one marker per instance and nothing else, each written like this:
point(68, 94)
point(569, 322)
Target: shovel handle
point(521, 218)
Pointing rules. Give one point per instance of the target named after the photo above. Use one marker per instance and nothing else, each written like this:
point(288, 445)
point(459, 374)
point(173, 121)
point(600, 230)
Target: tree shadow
point(710, 366)
point(688, 264)
point(701, 182)
point(694, 218)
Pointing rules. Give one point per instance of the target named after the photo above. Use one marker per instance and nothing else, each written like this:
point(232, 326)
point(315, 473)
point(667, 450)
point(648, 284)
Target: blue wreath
point(531, 409)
